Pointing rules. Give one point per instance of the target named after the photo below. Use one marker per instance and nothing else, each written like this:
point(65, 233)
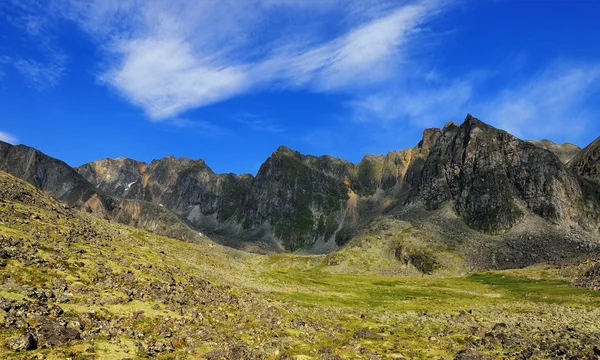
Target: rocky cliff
point(295, 201)
point(495, 179)
point(492, 181)
point(587, 163)
point(64, 183)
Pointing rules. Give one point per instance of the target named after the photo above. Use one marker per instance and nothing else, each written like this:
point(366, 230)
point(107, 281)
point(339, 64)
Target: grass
point(426, 293)
point(317, 301)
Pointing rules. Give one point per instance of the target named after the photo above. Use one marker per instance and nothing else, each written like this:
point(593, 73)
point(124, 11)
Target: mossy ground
point(300, 305)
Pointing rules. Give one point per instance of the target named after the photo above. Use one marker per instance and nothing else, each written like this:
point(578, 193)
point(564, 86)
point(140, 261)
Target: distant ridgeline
point(487, 177)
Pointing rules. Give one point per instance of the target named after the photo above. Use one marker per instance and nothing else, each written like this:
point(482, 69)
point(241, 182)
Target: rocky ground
point(75, 286)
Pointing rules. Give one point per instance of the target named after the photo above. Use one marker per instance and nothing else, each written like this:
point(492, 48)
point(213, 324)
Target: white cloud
point(40, 75)
point(257, 122)
point(423, 106)
point(9, 138)
point(168, 58)
point(549, 104)
point(165, 78)
point(37, 58)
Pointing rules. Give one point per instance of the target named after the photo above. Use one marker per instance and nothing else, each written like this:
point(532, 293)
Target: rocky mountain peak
point(587, 162)
point(494, 179)
point(430, 137)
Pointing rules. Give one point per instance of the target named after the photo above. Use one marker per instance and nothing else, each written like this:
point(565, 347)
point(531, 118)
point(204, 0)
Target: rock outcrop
point(587, 163)
point(495, 179)
point(64, 183)
point(491, 179)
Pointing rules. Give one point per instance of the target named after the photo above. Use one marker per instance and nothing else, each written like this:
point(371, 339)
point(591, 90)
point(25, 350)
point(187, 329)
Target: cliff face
point(495, 179)
point(64, 183)
point(492, 180)
point(294, 201)
point(587, 163)
point(48, 174)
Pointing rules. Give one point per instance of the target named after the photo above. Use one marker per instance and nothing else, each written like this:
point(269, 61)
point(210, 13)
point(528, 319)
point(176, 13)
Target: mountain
point(295, 201)
point(48, 174)
point(64, 183)
point(488, 179)
point(565, 152)
point(587, 163)
point(494, 179)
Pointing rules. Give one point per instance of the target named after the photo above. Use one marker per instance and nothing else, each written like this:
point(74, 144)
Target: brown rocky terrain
point(565, 152)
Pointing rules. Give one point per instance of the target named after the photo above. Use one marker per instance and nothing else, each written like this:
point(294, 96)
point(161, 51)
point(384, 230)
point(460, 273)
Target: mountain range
point(470, 186)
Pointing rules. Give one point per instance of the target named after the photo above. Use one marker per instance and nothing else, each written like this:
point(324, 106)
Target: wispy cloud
point(549, 104)
point(169, 58)
point(258, 122)
point(421, 106)
point(38, 58)
point(9, 138)
point(41, 75)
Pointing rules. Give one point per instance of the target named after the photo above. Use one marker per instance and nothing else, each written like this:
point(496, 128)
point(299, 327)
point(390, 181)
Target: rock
point(587, 162)
point(286, 357)
point(51, 333)
point(59, 284)
point(75, 325)
point(330, 357)
point(22, 343)
point(367, 334)
point(490, 176)
point(164, 331)
point(499, 327)
point(215, 355)
point(472, 355)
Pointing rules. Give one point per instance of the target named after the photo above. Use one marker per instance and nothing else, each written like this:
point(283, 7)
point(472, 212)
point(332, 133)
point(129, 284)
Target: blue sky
point(229, 81)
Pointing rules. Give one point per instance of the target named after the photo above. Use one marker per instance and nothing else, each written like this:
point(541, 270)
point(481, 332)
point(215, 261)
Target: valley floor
point(74, 286)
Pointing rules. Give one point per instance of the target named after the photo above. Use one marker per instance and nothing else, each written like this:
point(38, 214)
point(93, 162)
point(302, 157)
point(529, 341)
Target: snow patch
point(129, 185)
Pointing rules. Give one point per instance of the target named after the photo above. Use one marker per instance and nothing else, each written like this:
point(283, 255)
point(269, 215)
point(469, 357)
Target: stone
point(367, 334)
point(472, 355)
point(22, 343)
point(51, 333)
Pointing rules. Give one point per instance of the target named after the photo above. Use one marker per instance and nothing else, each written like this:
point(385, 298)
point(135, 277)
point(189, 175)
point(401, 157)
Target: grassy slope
point(272, 305)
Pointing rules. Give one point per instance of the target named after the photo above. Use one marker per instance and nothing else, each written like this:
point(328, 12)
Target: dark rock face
point(48, 174)
point(295, 200)
point(64, 183)
point(587, 162)
point(495, 179)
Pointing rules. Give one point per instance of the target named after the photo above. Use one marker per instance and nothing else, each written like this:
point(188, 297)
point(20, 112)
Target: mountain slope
point(64, 183)
point(295, 201)
point(495, 179)
point(76, 286)
point(48, 174)
point(587, 162)
point(565, 152)
point(316, 204)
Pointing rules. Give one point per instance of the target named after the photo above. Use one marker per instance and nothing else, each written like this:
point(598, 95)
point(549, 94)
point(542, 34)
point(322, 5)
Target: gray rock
point(22, 343)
